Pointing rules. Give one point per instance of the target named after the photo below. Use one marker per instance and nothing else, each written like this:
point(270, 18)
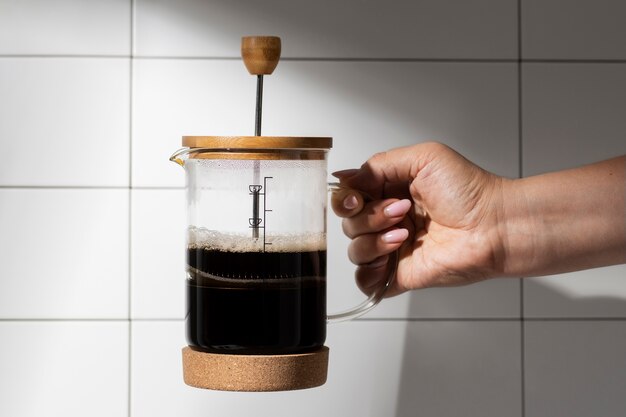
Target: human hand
point(435, 207)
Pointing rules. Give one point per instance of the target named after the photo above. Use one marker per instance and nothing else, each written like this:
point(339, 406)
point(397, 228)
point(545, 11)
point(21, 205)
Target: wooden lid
point(255, 372)
point(258, 142)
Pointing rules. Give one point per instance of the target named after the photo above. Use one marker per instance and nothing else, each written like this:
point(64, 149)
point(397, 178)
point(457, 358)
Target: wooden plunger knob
point(260, 53)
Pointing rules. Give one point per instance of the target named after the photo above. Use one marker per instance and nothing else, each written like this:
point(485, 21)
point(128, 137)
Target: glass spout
point(180, 155)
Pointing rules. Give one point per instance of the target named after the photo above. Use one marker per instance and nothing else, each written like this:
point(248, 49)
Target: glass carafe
point(256, 245)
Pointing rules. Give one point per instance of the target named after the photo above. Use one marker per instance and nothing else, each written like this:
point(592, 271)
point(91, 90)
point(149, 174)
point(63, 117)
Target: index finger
point(393, 166)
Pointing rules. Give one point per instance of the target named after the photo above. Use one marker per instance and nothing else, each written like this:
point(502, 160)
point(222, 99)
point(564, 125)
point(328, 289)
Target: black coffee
point(256, 302)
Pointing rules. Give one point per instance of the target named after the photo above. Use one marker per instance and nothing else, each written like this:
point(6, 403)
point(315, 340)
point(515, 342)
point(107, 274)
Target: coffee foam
point(201, 238)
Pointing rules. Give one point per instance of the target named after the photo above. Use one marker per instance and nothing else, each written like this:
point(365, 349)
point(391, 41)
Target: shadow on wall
point(380, 105)
point(326, 28)
point(473, 366)
point(470, 106)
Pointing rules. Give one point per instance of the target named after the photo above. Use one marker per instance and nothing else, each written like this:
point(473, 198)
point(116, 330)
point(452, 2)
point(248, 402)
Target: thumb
point(346, 202)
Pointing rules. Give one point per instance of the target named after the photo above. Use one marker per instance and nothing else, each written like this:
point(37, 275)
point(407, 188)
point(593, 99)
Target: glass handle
point(377, 295)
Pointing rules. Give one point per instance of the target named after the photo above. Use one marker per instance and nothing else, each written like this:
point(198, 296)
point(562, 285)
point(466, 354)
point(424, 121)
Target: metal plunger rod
point(260, 55)
point(257, 167)
point(259, 105)
point(255, 220)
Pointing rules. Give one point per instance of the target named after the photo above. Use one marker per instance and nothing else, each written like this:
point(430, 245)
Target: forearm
point(565, 221)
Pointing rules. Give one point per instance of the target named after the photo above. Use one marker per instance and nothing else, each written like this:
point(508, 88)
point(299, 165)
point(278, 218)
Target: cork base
point(254, 372)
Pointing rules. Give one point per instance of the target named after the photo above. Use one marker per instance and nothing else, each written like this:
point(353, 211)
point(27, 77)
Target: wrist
point(518, 242)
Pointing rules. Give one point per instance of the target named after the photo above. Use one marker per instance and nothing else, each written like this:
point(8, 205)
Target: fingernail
point(350, 202)
point(344, 173)
point(395, 236)
point(398, 208)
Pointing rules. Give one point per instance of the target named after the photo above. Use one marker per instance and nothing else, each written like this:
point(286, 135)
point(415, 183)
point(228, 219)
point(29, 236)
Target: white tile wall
point(330, 29)
point(65, 121)
point(492, 299)
point(582, 29)
point(461, 368)
point(174, 98)
point(64, 253)
point(65, 27)
point(86, 129)
point(593, 293)
point(377, 369)
point(573, 114)
point(158, 253)
point(64, 369)
point(575, 368)
point(372, 106)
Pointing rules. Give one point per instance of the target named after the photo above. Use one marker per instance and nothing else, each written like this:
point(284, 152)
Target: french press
point(256, 254)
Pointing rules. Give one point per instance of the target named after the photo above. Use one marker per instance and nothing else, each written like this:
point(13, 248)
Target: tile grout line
point(520, 175)
point(401, 60)
point(438, 319)
point(64, 319)
point(63, 187)
point(68, 56)
point(130, 203)
point(491, 319)
point(87, 187)
point(338, 59)
point(331, 59)
point(376, 319)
